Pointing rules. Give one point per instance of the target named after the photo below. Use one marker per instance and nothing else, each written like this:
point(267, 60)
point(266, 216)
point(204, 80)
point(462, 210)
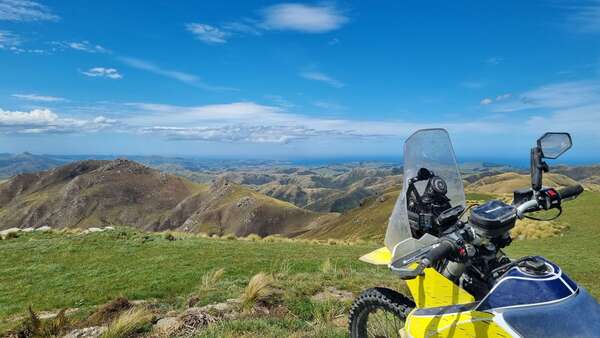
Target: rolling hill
point(506, 183)
point(95, 193)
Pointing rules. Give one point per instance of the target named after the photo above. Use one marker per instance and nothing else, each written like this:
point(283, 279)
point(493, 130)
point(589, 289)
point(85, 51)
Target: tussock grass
point(33, 326)
point(260, 289)
point(128, 323)
point(229, 237)
point(109, 311)
point(530, 229)
point(252, 238)
point(211, 279)
point(328, 267)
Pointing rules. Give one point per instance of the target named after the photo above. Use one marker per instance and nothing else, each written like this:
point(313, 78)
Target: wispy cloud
point(187, 78)
point(322, 77)
point(110, 73)
point(83, 46)
point(207, 33)
point(555, 96)
point(257, 123)
point(12, 42)
point(487, 101)
point(303, 18)
point(45, 121)
point(285, 17)
point(40, 98)
point(25, 10)
point(328, 105)
point(585, 17)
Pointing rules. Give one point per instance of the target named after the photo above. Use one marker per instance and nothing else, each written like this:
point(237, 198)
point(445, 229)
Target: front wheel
point(379, 312)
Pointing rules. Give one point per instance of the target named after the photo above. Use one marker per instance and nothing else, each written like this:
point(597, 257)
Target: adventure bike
point(462, 283)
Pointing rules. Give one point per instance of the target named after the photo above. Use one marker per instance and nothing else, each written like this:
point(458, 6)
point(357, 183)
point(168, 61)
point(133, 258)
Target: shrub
point(128, 323)
point(259, 290)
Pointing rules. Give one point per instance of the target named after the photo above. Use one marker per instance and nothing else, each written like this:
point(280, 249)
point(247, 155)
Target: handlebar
point(443, 250)
point(539, 202)
point(570, 192)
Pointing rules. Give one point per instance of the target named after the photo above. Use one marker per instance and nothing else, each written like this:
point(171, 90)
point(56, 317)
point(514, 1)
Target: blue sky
point(268, 79)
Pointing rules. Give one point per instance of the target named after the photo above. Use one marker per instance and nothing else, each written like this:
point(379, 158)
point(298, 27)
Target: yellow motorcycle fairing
point(434, 290)
point(445, 310)
point(454, 325)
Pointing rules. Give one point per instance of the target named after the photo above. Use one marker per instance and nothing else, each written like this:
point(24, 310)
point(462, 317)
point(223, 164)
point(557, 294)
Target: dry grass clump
point(211, 279)
point(33, 326)
point(252, 238)
point(229, 237)
point(128, 323)
point(259, 291)
point(273, 238)
point(530, 229)
point(108, 312)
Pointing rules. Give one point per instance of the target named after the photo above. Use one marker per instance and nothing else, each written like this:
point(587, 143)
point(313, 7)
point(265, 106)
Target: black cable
point(546, 219)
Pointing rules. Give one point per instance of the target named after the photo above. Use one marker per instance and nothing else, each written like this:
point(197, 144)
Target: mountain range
point(337, 201)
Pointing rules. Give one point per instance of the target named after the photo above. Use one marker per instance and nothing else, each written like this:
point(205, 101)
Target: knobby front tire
point(379, 312)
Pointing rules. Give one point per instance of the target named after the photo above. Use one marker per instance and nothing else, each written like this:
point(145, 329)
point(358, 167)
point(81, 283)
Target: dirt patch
point(331, 293)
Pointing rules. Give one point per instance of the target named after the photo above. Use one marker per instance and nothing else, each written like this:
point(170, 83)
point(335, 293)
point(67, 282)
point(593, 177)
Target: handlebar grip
point(443, 250)
point(570, 192)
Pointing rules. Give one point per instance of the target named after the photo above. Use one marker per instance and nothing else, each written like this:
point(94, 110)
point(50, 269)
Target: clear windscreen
point(430, 149)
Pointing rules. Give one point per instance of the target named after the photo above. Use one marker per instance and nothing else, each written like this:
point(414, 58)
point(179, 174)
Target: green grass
point(57, 270)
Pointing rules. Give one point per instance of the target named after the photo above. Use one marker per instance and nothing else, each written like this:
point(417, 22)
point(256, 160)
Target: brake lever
point(407, 274)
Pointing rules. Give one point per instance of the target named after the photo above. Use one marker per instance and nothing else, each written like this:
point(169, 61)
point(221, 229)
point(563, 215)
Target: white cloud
point(44, 121)
point(303, 18)
point(110, 73)
point(256, 123)
point(318, 76)
point(555, 96)
point(41, 98)
point(187, 78)
point(25, 10)
point(585, 18)
point(486, 101)
point(207, 33)
point(84, 46)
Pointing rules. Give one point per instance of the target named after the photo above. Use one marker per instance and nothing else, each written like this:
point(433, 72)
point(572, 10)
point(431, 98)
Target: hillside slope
point(506, 183)
point(95, 193)
point(368, 221)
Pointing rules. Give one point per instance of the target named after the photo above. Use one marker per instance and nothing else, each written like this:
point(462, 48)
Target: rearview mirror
point(554, 144)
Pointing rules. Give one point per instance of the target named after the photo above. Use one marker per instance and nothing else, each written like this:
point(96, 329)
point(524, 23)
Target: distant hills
point(121, 192)
point(333, 201)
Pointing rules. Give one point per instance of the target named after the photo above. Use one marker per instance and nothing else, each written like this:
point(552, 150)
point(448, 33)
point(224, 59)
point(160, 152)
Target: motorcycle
point(462, 283)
